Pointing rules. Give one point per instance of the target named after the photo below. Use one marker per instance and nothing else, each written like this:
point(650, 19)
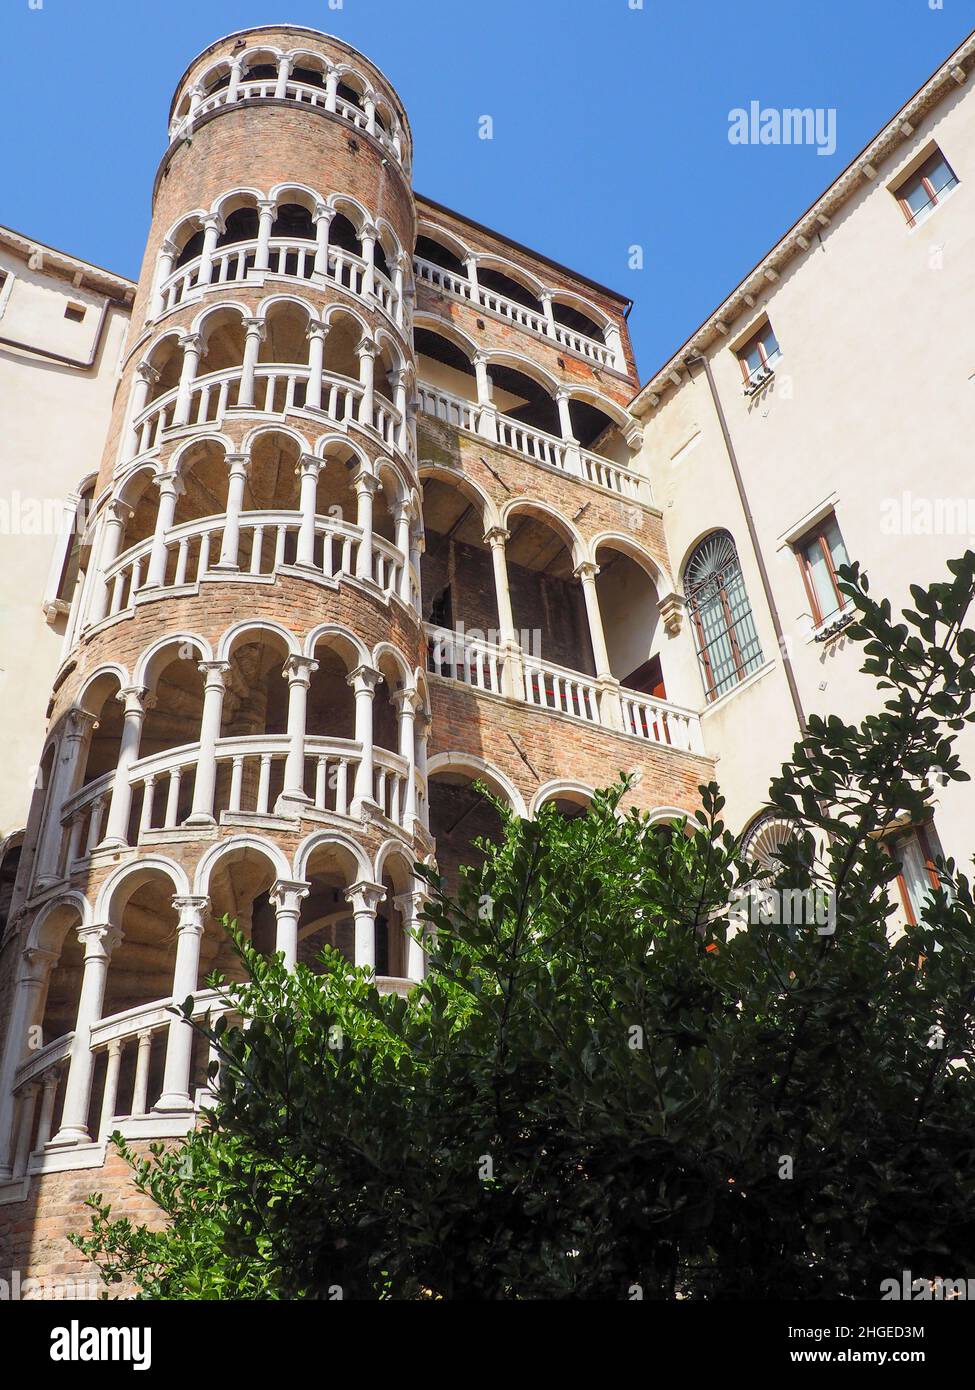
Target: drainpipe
point(790, 674)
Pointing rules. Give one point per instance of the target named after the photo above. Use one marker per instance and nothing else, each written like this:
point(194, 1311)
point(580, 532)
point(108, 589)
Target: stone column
point(368, 237)
point(513, 675)
point(410, 906)
point(407, 703)
point(170, 487)
point(255, 331)
point(116, 515)
point(236, 70)
point(267, 211)
point(331, 90)
point(424, 723)
point(238, 464)
point(286, 899)
point(366, 487)
point(610, 704)
point(404, 525)
point(547, 310)
point(308, 470)
point(364, 681)
point(135, 699)
point(100, 942)
point(398, 380)
point(573, 458)
point(26, 1005)
point(364, 898)
point(145, 378)
point(369, 106)
point(487, 420)
point(284, 72)
point(316, 335)
point(298, 671)
point(400, 267)
point(164, 268)
point(323, 219)
point(186, 981)
point(205, 782)
point(212, 227)
point(366, 353)
point(64, 779)
point(192, 345)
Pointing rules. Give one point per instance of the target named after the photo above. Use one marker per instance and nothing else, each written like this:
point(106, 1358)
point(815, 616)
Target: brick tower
point(368, 529)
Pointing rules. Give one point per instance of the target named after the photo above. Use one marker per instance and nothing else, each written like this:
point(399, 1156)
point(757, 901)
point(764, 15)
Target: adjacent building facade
point(372, 508)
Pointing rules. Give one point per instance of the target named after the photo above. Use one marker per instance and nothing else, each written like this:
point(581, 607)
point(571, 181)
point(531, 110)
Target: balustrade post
point(286, 899)
point(110, 1093)
point(186, 980)
point(100, 943)
point(255, 331)
point(136, 701)
point(549, 312)
point(171, 488)
point(192, 345)
point(25, 1126)
point(46, 1120)
point(267, 211)
point(368, 237)
point(308, 470)
point(64, 778)
point(364, 898)
point(146, 377)
point(26, 1006)
point(364, 681)
point(205, 782)
point(298, 671)
point(212, 227)
point(316, 335)
point(573, 458)
point(323, 218)
point(238, 465)
point(113, 532)
point(164, 268)
point(366, 487)
point(487, 418)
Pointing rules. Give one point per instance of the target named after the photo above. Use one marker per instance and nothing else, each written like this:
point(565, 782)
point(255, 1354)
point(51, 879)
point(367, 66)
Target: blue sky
point(610, 122)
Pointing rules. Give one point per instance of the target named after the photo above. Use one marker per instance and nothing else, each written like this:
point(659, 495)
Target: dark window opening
point(241, 225)
point(192, 249)
point(432, 251)
point(261, 72)
point(589, 424)
point(347, 94)
point(309, 77)
point(342, 234)
point(538, 410)
point(442, 610)
point(576, 321)
point(647, 679)
point(441, 350)
point(294, 222)
point(511, 289)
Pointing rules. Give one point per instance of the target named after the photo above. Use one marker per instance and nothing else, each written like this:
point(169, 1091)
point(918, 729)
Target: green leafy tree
point(608, 1087)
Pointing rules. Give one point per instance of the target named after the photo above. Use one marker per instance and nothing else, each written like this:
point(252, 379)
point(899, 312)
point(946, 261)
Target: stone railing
point(235, 264)
point(460, 657)
point(555, 688)
point(303, 93)
point(534, 320)
point(278, 389)
point(267, 543)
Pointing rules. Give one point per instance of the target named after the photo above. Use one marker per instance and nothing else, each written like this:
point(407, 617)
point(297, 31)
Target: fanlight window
point(724, 629)
point(765, 840)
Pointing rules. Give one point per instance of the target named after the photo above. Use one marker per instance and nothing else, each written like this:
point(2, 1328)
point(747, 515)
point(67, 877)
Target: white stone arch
point(387, 236)
point(185, 219)
point(285, 297)
point(327, 631)
point(326, 440)
point(617, 540)
point(335, 311)
point(391, 849)
point(146, 674)
point(210, 310)
point(383, 649)
point(231, 638)
point(699, 540)
point(234, 199)
point(448, 240)
point(667, 815)
point(357, 213)
point(125, 483)
point(320, 839)
point(383, 339)
point(254, 434)
point(152, 349)
point(479, 770)
point(111, 669)
point(533, 506)
point(308, 198)
point(454, 477)
point(319, 60)
point(449, 332)
point(208, 862)
point(216, 68)
point(115, 892)
point(258, 50)
point(422, 687)
point(401, 480)
point(518, 362)
point(560, 787)
point(617, 413)
point(71, 901)
point(523, 277)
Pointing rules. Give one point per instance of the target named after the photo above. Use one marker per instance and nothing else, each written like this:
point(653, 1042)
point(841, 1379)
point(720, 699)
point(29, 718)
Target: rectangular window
point(821, 552)
point(915, 852)
point(758, 357)
point(926, 188)
point(75, 312)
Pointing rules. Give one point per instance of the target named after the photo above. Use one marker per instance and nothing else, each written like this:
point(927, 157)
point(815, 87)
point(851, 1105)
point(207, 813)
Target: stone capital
point(100, 940)
point(298, 670)
point(497, 538)
point(192, 912)
point(365, 896)
point(255, 327)
point(237, 464)
point(364, 678)
point(586, 571)
point(135, 699)
point(287, 895)
point(213, 673)
point(191, 342)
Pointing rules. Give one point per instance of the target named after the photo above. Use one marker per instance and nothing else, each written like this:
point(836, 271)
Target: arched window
point(724, 629)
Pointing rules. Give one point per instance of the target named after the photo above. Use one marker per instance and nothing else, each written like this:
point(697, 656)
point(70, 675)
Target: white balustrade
point(278, 389)
point(302, 92)
point(461, 657)
point(661, 722)
point(534, 320)
point(291, 256)
point(390, 775)
point(534, 444)
point(442, 405)
point(554, 688)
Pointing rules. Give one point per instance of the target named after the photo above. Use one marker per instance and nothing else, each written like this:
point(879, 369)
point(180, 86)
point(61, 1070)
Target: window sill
point(924, 216)
point(833, 626)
